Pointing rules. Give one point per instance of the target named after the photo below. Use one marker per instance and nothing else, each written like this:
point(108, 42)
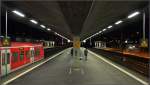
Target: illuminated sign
point(144, 43)
point(76, 42)
point(6, 41)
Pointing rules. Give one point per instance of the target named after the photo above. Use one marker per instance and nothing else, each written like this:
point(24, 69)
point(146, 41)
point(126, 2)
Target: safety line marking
point(121, 69)
point(23, 73)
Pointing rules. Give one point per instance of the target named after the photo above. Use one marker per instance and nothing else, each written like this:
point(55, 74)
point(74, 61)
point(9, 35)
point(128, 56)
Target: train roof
point(23, 44)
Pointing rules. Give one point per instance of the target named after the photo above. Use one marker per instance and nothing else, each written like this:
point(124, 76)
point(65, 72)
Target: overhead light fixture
point(104, 29)
point(118, 22)
point(134, 14)
point(18, 13)
point(55, 33)
point(126, 41)
point(84, 41)
point(42, 26)
point(33, 21)
point(110, 26)
point(100, 31)
point(68, 41)
point(48, 29)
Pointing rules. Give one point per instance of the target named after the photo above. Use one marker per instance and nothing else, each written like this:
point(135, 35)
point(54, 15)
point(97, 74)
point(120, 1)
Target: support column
point(76, 53)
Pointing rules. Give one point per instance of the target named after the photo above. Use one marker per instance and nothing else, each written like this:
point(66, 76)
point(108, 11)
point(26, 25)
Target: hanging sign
point(6, 42)
point(144, 43)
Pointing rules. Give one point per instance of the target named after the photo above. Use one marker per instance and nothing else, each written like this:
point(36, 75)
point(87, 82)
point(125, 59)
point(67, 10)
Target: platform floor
point(58, 71)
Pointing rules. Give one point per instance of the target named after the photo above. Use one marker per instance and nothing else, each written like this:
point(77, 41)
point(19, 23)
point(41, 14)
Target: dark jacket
point(85, 52)
point(72, 51)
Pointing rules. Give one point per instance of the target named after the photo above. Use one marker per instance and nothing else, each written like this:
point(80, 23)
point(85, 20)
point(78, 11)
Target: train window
point(3, 59)
point(37, 52)
point(32, 53)
point(21, 55)
point(15, 57)
point(8, 58)
point(28, 54)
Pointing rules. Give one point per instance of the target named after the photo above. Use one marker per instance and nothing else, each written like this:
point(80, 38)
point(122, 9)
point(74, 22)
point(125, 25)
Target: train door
point(5, 62)
point(32, 54)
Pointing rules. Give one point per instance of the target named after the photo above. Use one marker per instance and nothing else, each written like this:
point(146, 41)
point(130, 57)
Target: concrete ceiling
point(82, 18)
point(105, 13)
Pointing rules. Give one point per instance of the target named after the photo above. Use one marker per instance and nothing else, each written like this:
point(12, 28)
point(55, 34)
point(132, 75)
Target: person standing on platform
point(85, 53)
point(72, 52)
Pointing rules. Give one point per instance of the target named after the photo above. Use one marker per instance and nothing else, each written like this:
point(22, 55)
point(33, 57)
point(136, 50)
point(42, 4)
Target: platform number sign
point(144, 43)
point(6, 41)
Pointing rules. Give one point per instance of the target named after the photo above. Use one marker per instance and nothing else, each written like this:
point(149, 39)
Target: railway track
point(137, 64)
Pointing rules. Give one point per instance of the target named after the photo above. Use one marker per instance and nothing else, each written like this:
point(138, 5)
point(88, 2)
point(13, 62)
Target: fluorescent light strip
point(33, 21)
point(42, 26)
point(61, 36)
point(48, 29)
point(55, 33)
point(18, 13)
point(68, 40)
point(100, 31)
point(118, 22)
point(104, 29)
point(133, 14)
point(110, 26)
point(84, 41)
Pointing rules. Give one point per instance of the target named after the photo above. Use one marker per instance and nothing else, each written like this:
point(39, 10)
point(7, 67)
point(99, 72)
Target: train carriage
point(19, 55)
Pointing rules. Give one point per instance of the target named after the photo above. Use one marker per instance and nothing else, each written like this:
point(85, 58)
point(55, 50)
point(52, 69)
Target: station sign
point(144, 43)
point(76, 42)
point(6, 41)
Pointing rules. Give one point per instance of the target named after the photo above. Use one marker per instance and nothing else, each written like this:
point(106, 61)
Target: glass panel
point(32, 53)
point(21, 55)
point(8, 58)
point(28, 54)
point(15, 57)
point(37, 52)
point(3, 59)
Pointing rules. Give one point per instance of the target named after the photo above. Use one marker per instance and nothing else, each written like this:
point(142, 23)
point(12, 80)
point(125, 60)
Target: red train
point(18, 55)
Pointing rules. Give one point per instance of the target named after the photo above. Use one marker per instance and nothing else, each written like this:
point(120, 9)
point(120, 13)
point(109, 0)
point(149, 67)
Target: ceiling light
point(118, 22)
point(109, 26)
point(18, 13)
point(133, 14)
point(100, 31)
point(84, 41)
point(68, 41)
point(104, 29)
point(42, 26)
point(126, 41)
point(55, 33)
point(33, 21)
point(48, 29)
